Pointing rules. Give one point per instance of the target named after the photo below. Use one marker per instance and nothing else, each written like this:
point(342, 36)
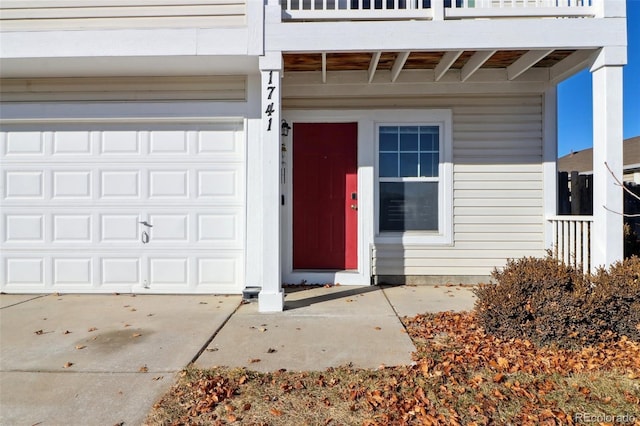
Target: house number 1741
point(270, 108)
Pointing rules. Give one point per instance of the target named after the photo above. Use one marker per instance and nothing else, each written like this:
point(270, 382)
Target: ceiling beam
point(373, 66)
point(324, 67)
point(398, 64)
point(570, 65)
point(525, 62)
point(448, 59)
point(474, 63)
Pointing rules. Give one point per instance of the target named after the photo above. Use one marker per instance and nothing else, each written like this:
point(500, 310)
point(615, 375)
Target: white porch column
point(271, 297)
point(549, 161)
point(607, 238)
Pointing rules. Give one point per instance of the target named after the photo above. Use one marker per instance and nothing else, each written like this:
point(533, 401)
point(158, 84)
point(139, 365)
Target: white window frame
point(444, 234)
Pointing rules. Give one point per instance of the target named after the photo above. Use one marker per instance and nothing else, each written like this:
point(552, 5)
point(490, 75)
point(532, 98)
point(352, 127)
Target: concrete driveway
point(98, 360)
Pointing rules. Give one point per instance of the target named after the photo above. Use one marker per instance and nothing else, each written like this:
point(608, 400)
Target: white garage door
point(77, 199)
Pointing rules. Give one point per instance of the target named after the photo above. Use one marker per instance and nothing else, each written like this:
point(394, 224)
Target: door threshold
point(315, 276)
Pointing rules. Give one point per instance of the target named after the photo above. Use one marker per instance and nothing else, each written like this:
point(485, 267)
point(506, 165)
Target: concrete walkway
point(105, 359)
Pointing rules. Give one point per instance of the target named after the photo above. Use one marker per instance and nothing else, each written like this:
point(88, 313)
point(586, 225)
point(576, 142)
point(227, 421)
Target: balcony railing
point(572, 240)
point(432, 9)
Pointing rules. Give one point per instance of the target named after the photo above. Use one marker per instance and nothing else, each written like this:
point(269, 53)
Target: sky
point(575, 123)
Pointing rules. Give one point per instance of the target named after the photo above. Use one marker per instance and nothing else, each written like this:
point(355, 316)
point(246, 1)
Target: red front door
point(325, 199)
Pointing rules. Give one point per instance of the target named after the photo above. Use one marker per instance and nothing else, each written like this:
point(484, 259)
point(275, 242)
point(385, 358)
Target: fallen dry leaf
point(38, 332)
point(271, 350)
point(80, 346)
point(378, 328)
point(67, 332)
point(92, 329)
point(143, 369)
point(136, 335)
point(254, 360)
point(155, 379)
point(275, 412)
point(67, 364)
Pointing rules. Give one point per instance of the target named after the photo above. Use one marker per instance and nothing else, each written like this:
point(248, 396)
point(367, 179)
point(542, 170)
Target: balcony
point(317, 10)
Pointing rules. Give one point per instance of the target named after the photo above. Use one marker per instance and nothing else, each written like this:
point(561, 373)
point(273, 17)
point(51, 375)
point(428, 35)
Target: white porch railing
point(432, 9)
point(572, 240)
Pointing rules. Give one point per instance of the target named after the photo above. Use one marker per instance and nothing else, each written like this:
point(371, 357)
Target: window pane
point(408, 206)
point(408, 139)
point(429, 165)
point(389, 138)
point(388, 165)
point(409, 165)
point(429, 139)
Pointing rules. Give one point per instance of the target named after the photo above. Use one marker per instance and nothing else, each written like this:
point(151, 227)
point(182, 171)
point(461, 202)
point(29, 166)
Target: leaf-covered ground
point(461, 376)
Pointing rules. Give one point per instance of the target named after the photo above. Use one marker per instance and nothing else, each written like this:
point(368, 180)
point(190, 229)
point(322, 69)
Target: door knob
point(354, 207)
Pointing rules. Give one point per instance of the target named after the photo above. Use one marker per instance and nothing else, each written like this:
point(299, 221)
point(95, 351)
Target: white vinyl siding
point(32, 15)
point(219, 88)
point(497, 184)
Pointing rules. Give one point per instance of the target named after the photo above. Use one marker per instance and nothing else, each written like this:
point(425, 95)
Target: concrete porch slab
point(410, 301)
point(320, 328)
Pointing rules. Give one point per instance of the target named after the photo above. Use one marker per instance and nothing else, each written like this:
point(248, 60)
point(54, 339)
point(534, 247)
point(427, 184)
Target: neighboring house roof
point(582, 161)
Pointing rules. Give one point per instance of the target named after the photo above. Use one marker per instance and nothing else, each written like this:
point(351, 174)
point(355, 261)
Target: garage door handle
point(145, 223)
point(145, 237)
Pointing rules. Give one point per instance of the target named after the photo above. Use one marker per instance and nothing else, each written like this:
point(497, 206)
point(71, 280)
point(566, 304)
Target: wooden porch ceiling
point(468, 61)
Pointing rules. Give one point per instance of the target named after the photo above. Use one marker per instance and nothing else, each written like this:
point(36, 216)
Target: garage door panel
point(23, 144)
point(120, 271)
point(74, 196)
point(168, 184)
point(22, 185)
point(76, 143)
point(119, 228)
point(169, 227)
point(125, 143)
point(23, 228)
point(168, 142)
point(171, 271)
point(225, 145)
point(215, 271)
point(76, 228)
point(120, 184)
point(24, 272)
point(72, 184)
point(73, 271)
point(221, 185)
point(221, 229)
